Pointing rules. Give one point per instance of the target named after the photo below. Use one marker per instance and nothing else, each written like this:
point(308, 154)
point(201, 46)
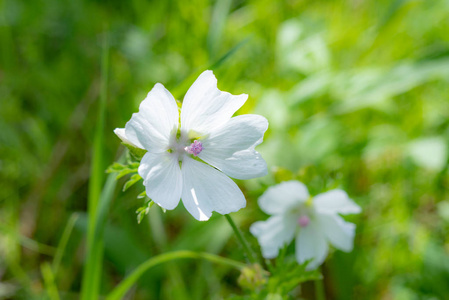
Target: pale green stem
point(124, 286)
point(242, 240)
point(30, 244)
point(63, 242)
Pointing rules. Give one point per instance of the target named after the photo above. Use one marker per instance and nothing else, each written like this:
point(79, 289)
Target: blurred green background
point(356, 93)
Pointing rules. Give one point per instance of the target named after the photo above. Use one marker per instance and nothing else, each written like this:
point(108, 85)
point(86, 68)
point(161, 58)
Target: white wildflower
point(192, 160)
point(313, 222)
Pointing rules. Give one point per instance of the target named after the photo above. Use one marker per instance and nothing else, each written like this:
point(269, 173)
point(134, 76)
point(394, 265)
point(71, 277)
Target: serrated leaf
point(116, 167)
point(131, 181)
point(142, 195)
point(143, 211)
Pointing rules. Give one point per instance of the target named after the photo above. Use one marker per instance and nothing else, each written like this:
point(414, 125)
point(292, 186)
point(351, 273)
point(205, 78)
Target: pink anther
point(303, 221)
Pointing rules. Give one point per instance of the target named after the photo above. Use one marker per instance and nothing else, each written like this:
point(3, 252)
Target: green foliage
point(131, 181)
point(125, 169)
point(356, 97)
point(289, 276)
point(122, 170)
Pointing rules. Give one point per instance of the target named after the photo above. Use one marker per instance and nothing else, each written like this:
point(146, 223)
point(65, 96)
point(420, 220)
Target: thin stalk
point(49, 280)
point(63, 242)
point(242, 240)
point(120, 290)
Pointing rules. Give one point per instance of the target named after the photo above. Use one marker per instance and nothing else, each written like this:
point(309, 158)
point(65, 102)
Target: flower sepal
point(253, 277)
point(136, 153)
point(144, 210)
point(288, 274)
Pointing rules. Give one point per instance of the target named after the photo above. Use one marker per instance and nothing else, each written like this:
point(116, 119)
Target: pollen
point(195, 148)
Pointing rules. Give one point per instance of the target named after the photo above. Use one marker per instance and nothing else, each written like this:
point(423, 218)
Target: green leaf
point(131, 181)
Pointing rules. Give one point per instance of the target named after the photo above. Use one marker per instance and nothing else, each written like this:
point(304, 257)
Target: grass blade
point(63, 242)
point(217, 24)
point(92, 269)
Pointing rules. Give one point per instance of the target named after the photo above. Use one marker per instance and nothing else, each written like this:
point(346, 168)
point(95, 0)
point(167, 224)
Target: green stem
point(319, 290)
point(160, 238)
point(243, 242)
point(120, 290)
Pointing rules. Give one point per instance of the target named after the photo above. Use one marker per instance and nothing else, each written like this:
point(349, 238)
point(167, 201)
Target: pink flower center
point(303, 221)
point(195, 148)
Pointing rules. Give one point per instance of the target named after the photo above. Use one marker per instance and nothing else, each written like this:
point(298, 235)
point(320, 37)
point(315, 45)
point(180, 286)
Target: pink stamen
point(303, 221)
point(195, 148)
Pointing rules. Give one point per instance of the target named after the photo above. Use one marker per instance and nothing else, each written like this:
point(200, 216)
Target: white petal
point(335, 201)
point(162, 178)
point(337, 231)
point(120, 132)
point(311, 244)
point(274, 233)
point(157, 118)
point(280, 198)
point(230, 148)
point(206, 189)
point(205, 107)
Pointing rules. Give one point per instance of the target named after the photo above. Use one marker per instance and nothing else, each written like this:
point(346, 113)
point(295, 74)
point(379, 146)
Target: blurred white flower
point(314, 222)
point(189, 160)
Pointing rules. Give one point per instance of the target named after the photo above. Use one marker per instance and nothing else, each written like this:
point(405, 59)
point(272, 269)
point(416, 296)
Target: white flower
point(190, 153)
point(314, 222)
